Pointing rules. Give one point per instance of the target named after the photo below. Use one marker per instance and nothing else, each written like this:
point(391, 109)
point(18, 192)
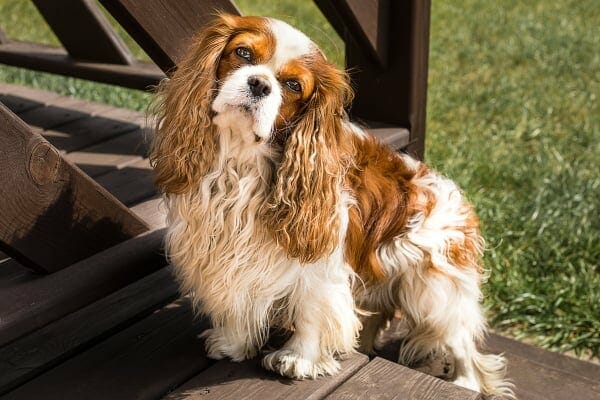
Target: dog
point(282, 212)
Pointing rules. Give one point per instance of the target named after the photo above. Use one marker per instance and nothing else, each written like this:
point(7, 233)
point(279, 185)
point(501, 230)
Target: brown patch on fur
point(467, 254)
point(185, 140)
point(380, 181)
point(257, 38)
point(293, 102)
point(302, 210)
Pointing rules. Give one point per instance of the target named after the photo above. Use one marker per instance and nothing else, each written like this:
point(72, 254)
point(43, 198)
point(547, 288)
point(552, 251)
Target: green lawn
point(513, 116)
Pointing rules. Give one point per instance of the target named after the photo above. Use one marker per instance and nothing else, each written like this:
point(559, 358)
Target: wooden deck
point(141, 341)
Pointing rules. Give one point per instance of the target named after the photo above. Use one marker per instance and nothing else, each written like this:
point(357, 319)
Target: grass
point(513, 117)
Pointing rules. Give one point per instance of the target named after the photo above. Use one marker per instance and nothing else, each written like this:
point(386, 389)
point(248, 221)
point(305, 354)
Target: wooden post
point(52, 214)
point(395, 91)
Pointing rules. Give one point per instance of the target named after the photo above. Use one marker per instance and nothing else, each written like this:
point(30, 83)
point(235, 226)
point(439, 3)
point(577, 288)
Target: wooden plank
point(50, 116)
point(165, 28)
point(33, 354)
point(34, 303)
point(41, 97)
point(13, 274)
point(535, 381)
point(111, 154)
point(499, 344)
point(53, 214)
point(382, 379)
point(40, 57)
point(18, 104)
point(395, 137)
point(77, 23)
point(84, 132)
point(366, 20)
point(144, 361)
point(152, 211)
point(248, 380)
point(130, 184)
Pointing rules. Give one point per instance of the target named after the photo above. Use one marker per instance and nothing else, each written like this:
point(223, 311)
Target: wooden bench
point(89, 308)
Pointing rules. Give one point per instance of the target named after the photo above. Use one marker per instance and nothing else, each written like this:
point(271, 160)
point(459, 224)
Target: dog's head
point(269, 84)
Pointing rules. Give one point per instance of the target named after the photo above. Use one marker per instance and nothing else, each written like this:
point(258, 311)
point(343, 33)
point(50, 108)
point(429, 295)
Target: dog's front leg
point(226, 341)
point(325, 323)
point(240, 328)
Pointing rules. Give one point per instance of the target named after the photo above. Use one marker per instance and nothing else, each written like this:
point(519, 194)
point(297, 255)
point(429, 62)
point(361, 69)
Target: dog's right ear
point(185, 143)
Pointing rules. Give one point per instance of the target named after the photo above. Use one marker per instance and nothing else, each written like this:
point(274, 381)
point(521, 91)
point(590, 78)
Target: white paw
point(289, 363)
point(218, 346)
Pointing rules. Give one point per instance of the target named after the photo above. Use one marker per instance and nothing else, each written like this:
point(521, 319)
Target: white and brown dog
point(281, 212)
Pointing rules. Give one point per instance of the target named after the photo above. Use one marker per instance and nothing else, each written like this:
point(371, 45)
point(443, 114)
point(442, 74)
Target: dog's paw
point(218, 346)
point(291, 364)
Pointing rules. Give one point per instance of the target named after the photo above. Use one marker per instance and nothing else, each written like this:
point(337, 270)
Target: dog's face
point(266, 75)
point(265, 83)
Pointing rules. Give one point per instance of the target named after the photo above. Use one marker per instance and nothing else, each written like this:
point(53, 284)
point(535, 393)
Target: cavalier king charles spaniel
point(282, 212)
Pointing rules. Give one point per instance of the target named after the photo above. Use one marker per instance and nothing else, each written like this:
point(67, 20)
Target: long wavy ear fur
point(185, 142)
point(302, 211)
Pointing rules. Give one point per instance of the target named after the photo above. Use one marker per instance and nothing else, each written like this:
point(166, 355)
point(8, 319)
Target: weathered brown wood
point(31, 355)
point(35, 302)
point(152, 211)
point(382, 379)
point(395, 137)
point(12, 274)
point(84, 31)
point(54, 114)
point(535, 381)
point(248, 380)
point(394, 94)
point(130, 184)
point(144, 361)
point(53, 215)
point(18, 104)
point(40, 57)
point(110, 155)
point(499, 344)
point(366, 20)
point(164, 28)
point(40, 97)
point(86, 132)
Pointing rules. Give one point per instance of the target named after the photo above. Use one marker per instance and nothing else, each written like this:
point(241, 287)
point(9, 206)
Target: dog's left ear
point(303, 209)
point(185, 140)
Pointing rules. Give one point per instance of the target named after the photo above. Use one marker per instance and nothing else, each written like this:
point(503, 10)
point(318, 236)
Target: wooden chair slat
point(53, 214)
point(32, 354)
point(164, 28)
point(367, 21)
point(39, 300)
point(40, 57)
point(84, 31)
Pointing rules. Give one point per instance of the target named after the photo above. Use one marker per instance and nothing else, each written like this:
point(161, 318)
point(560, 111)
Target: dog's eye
point(245, 53)
point(293, 85)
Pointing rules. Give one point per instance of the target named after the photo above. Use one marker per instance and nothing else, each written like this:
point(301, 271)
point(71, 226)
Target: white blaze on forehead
point(290, 43)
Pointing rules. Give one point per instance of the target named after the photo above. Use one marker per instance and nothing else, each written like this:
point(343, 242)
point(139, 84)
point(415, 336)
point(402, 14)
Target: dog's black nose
point(259, 86)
